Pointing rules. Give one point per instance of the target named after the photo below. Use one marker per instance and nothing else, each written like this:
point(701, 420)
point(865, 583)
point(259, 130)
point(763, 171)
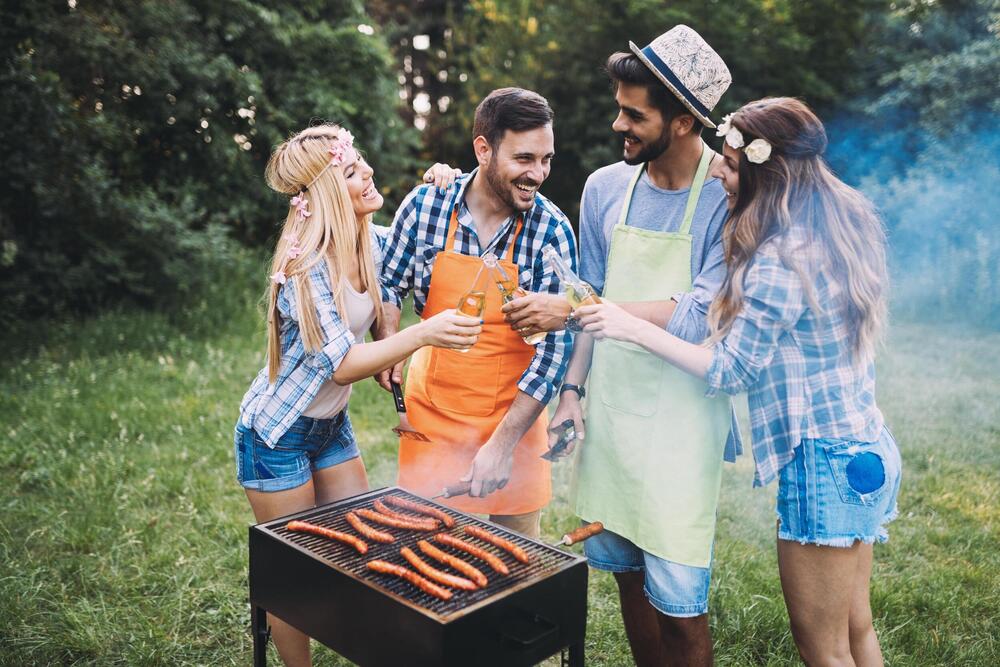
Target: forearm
point(579, 361)
point(690, 358)
point(520, 416)
point(364, 361)
point(657, 312)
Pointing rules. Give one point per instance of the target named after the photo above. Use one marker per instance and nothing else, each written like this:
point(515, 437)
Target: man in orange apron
point(483, 410)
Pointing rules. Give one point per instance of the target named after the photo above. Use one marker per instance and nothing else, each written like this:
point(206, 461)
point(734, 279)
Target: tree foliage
point(135, 136)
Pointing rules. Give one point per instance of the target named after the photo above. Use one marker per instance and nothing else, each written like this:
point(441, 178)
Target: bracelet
point(580, 391)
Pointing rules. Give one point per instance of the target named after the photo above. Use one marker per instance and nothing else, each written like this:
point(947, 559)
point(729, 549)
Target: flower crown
point(759, 150)
point(338, 151)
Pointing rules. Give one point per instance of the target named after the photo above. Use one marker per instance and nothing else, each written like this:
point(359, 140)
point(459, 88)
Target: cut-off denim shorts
point(672, 588)
point(836, 492)
point(308, 445)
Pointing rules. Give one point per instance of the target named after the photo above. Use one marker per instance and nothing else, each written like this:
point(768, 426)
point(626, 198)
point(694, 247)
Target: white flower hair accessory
point(759, 150)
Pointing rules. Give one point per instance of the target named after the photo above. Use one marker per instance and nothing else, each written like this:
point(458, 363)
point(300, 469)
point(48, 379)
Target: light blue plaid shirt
point(419, 233)
point(270, 409)
point(795, 363)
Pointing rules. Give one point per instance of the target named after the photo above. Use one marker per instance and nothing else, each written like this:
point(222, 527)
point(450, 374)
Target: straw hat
point(689, 67)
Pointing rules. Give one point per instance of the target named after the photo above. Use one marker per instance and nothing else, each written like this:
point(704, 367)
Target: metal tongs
point(567, 435)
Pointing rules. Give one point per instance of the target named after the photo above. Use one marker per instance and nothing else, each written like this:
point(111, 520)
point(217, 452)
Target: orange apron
point(458, 399)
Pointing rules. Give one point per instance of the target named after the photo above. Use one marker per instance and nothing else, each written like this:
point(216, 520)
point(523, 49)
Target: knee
point(684, 628)
point(860, 627)
point(825, 656)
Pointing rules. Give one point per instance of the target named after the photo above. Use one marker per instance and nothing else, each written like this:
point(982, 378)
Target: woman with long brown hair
point(295, 447)
point(796, 324)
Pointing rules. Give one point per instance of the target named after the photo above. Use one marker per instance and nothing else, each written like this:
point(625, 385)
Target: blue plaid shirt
point(419, 232)
point(795, 363)
point(269, 408)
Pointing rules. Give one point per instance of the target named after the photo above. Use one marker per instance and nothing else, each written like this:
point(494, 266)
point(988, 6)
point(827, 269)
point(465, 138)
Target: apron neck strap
point(695, 192)
point(449, 243)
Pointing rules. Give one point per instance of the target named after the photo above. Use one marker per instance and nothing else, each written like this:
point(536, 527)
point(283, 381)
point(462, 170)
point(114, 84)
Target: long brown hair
point(332, 234)
point(795, 188)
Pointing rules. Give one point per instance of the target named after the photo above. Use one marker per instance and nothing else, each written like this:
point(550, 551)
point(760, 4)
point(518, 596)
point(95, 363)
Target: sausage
point(381, 508)
point(368, 531)
point(516, 551)
point(429, 587)
point(471, 549)
point(303, 527)
point(582, 533)
point(420, 508)
point(433, 573)
point(407, 524)
point(457, 563)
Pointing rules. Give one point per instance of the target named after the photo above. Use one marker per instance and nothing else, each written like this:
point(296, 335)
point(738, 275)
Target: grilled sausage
point(471, 549)
point(420, 508)
point(381, 508)
point(516, 551)
point(406, 524)
point(303, 527)
point(409, 575)
point(368, 531)
point(582, 533)
point(457, 563)
point(433, 573)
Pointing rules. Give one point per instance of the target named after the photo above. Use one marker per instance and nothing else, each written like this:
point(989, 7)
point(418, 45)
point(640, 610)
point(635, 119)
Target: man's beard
point(502, 188)
point(650, 152)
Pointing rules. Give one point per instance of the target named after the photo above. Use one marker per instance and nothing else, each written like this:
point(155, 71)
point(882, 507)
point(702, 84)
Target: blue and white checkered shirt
point(419, 232)
point(795, 363)
point(270, 409)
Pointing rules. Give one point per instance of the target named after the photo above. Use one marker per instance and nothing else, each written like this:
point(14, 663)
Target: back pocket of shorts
point(859, 473)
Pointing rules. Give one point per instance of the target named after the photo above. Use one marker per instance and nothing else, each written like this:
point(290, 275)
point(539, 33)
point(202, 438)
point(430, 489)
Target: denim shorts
point(836, 492)
point(673, 589)
point(309, 444)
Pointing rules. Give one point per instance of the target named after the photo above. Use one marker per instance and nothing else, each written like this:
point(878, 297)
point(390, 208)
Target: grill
point(323, 588)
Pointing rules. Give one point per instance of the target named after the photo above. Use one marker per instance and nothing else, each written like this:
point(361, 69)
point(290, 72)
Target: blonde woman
point(796, 324)
point(294, 444)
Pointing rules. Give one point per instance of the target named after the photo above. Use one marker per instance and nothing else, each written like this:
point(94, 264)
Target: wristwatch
point(572, 324)
point(580, 391)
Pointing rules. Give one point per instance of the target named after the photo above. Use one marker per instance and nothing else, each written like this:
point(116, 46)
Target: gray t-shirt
point(657, 210)
point(660, 210)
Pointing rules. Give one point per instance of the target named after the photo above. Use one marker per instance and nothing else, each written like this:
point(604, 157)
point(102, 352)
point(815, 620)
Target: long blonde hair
point(795, 187)
point(332, 234)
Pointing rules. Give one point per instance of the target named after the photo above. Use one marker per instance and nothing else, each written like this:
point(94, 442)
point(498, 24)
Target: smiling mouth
point(370, 192)
point(528, 190)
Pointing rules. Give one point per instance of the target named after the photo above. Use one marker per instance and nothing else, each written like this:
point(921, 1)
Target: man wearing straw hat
point(651, 465)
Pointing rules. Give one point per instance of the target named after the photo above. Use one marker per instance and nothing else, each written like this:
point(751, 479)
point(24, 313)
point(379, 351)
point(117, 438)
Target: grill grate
point(544, 559)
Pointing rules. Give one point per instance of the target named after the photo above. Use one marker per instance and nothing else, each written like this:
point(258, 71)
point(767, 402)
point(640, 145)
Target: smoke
point(939, 196)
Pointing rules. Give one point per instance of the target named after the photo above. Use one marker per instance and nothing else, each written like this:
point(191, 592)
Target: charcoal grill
point(323, 588)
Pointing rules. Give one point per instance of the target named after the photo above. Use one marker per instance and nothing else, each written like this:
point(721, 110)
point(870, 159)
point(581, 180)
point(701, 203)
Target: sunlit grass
point(123, 531)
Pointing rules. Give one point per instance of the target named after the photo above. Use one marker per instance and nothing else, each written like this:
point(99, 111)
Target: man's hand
point(490, 469)
point(569, 408)
point(537, 311)
point(389, 326)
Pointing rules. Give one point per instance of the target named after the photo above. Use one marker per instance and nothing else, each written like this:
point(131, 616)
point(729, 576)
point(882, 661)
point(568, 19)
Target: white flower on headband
point(758, 151)
point(724, 126)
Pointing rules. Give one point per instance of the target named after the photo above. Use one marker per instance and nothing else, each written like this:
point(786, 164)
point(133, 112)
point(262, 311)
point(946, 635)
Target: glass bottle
point(474, 302)
point(509, 290)
point(578, 293)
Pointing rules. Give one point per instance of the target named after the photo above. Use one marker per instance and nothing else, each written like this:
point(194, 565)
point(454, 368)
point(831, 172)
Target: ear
point(483, 150)
point(682, 125)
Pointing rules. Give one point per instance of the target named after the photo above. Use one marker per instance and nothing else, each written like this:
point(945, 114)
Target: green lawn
point(123, 530)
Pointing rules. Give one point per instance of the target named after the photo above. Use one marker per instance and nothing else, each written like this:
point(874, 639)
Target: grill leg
point(261, 634)
point(573, 657)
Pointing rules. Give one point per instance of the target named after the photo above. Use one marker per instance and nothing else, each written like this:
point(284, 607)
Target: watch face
point(573, 324)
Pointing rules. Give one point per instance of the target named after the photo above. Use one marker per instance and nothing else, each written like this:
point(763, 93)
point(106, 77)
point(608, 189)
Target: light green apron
point(651, 465)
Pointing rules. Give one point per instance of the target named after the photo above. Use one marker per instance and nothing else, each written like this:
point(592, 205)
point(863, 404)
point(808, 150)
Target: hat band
point(672, 78)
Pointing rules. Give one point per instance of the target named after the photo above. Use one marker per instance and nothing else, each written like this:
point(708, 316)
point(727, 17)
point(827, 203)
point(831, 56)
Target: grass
point(123, 530)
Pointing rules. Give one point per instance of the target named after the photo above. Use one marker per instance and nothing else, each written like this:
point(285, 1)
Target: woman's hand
point(606, 320)
point(451, 329)
point(441, 175)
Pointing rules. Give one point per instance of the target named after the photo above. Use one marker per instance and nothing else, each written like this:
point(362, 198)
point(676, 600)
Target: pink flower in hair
point(278, 278)
point(294, 250)
point(301, 205)
point(338, 150)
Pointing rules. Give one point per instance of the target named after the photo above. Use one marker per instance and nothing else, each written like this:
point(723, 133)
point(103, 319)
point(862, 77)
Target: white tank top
point(332, 397)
